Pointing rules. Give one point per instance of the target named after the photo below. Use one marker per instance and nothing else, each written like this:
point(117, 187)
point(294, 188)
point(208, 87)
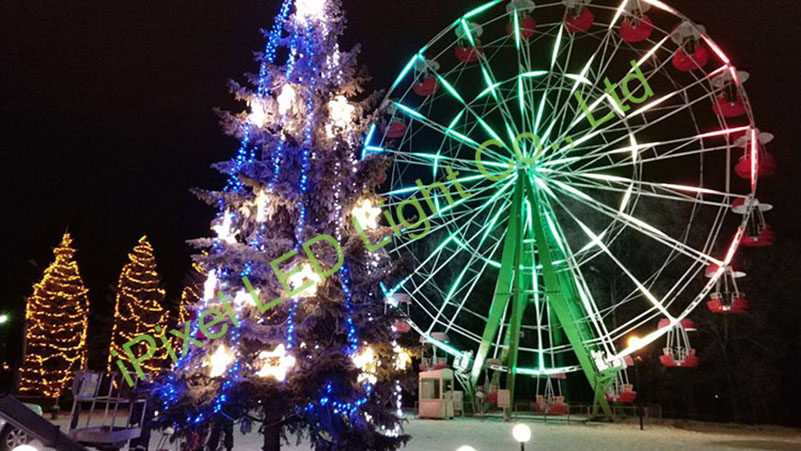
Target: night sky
point(106, 117)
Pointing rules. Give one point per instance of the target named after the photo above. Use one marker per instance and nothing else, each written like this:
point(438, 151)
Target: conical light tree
point(56, 318)
point(139, 310)
point(190, 295)
point(302, 341)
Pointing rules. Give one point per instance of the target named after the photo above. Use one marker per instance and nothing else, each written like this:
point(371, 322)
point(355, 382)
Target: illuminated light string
point(245, 154)
point(138, 307)
point(50, 360)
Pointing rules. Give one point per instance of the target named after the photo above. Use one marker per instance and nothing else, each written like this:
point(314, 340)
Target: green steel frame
point(560, 293)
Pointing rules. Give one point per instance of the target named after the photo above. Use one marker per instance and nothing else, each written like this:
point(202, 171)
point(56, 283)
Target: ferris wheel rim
point(661, 6)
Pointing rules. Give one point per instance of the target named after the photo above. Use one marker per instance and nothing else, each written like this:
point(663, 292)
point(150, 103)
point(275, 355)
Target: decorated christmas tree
point(139, 310)
point(292, 331)
point(56, 320)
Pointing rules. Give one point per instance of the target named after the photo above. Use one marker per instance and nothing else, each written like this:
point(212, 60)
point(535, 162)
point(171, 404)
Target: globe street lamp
point(522, 434)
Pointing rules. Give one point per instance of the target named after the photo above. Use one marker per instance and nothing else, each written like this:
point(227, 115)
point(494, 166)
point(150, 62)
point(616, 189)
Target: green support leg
point(503, 289)
point(561, 295)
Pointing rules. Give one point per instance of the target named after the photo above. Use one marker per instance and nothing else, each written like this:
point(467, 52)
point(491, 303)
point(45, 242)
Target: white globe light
point(25, 448)
point(466, 448)
point(521, 433)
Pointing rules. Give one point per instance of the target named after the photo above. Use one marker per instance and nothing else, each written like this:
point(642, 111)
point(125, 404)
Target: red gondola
point(426, 87)
point(691, 54)
point(636, 29)
point(581, 21)
point(528, 26)
point(396, 130)
point(468, 54)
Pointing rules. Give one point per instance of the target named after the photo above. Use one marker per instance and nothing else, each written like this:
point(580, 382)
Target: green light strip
point(539, 113)
point(488, 90)
point(410, 111)
point(456, 283)
point(468, 33)
point(489, 129)
point(481, 9)
point(404, 72)
point(450, 88)
point(456, 119)
point(443, 244)
point(445, 347)
point(490, 226)
point(462, 137)
point(547, 372)
point(490, 83)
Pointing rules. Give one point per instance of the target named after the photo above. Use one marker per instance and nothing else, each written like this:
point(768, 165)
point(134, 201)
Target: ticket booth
point(436, 394)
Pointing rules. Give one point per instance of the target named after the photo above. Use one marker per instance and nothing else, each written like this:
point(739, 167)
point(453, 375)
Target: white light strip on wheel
point(754, 158)
point(662, 6)
point(626, 198)
point(556, 46)
point(618, 13)
point(640, 226)
point(650, 53)
point(643, 289)
point(716, 49)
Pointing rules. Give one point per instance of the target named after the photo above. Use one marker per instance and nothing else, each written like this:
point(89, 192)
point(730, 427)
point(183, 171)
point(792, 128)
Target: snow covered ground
point(495, 435)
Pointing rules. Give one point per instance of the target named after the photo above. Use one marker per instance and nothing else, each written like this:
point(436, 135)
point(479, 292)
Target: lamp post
point(522, 434)
point(4, 319)
point(634, 342)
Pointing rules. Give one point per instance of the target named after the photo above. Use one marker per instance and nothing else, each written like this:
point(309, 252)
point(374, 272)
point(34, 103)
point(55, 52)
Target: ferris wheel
point(569, 174)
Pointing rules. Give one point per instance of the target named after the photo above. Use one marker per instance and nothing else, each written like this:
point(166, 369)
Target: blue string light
point(307, 141)
point(169, 393)
point(246, 153)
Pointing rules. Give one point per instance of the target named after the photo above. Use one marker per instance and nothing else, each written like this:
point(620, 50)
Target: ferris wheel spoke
point(492, 88)
point(446, 132)
point(621, 121)
point(596, 163)
point(470, 217)
point(472, 280)
point(472, 284)
point(595, 155)
point(598, 242)
point(603, 45)
point(581, 114)
point(590, 307)
point(666, 191)
point(633, 149)
point(631, 222)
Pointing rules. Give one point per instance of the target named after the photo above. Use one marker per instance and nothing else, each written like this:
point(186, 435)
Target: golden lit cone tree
point(139, 310)
point(187, 307)
point(56, 318)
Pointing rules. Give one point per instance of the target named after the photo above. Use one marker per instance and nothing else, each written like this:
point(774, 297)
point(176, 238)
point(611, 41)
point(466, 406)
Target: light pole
point(522, 434)
point(4, 319)
point(634, 342)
